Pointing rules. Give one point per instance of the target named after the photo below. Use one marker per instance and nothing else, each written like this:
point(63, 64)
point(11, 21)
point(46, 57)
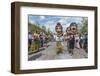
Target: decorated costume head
point(59, 28)
point(73, 27)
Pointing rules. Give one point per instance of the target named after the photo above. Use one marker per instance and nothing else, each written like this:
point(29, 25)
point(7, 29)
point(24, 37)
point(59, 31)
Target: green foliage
point(44, 28)
point(36, 27)
point(84, 25)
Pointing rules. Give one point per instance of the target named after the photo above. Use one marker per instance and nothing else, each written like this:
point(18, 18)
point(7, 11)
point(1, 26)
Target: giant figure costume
point(59, 38)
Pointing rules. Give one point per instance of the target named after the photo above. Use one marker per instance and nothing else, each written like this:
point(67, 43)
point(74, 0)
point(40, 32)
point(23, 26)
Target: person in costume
point(71, 37)
point(59, 38)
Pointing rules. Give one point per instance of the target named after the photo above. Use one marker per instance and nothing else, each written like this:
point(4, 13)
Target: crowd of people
point(37, 40)
point(72, 37)
point(76, 39)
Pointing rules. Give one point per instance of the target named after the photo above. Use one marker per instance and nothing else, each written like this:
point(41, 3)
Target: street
point(50, 53)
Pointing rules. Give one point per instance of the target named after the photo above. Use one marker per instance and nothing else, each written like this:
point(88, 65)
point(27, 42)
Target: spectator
point(29, 40)
point(86, 43)
point(77, 39)
point(81, 41)
point(41, 40)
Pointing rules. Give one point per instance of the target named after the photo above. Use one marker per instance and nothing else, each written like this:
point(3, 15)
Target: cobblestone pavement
point(50, 53)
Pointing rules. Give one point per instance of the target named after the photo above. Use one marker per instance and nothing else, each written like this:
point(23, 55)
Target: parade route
point(50, 53)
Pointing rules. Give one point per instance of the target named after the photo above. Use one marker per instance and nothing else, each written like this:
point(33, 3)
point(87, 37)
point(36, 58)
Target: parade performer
point(59, 38)
point(71, 32)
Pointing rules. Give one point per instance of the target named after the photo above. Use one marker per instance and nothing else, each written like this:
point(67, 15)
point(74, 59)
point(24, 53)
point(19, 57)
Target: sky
point(51, 21)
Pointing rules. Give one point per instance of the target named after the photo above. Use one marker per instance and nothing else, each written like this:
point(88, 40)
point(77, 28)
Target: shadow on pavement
point(35, 57)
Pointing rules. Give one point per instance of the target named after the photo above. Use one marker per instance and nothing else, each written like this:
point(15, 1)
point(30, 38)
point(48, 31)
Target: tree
point(44, 28)
point(84, 25)
point(49, 32)
point(36, 27)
